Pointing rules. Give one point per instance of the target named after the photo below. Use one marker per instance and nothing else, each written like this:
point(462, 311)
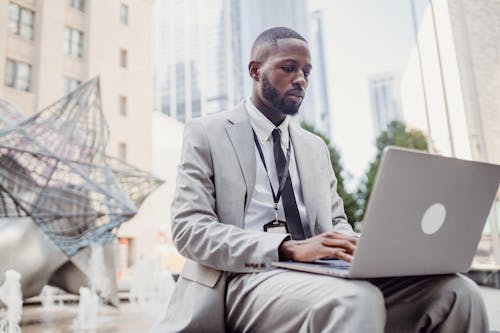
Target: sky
point(363, 37)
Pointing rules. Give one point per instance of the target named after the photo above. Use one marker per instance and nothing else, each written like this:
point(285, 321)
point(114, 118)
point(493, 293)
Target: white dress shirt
point(261, 207)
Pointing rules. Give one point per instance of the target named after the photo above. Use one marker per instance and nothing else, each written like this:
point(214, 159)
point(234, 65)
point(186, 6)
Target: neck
point(273, 114)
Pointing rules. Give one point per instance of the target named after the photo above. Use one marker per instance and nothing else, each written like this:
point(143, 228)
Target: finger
point(339, 254)
point(339, 243)
point(344, 256)
point(342, 243)
point(350, 238)
point(338, 235)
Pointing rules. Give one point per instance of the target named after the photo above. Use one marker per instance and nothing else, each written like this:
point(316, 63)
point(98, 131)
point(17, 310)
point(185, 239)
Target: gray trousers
point(287, 301)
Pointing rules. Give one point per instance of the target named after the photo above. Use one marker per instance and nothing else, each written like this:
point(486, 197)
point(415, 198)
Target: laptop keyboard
point(334, 263)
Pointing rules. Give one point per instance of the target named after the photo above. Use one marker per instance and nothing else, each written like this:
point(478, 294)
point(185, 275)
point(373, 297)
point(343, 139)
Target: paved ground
point(130, 319)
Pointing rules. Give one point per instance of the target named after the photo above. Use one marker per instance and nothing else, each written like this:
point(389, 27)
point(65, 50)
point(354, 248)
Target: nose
point(300, 80)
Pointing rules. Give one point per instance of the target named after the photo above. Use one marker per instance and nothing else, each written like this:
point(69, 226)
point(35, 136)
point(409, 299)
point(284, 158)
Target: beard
point(271, 94)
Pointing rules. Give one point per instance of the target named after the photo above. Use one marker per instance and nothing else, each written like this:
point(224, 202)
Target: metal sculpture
point(54, 170)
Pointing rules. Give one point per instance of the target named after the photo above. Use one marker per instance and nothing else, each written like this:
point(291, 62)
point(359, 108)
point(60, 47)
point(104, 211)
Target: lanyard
point(281, 182)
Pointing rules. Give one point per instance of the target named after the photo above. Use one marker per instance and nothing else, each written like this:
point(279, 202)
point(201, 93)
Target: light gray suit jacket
point(215, 181)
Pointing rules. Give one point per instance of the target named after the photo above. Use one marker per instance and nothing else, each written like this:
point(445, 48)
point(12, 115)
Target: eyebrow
point(295, 62)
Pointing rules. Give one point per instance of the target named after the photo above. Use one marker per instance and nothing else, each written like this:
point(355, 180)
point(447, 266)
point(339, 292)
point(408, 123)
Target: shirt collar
point(263, 127)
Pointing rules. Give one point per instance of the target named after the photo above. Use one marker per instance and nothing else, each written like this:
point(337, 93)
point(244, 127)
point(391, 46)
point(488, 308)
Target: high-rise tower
point(197, 57)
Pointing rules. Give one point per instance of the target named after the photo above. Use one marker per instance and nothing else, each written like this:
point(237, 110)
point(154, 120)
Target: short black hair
point(272, 36)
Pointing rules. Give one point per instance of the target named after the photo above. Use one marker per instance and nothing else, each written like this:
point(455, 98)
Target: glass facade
point(198, 57)
point(202, 49)
point(385, 100)
point(317, 113)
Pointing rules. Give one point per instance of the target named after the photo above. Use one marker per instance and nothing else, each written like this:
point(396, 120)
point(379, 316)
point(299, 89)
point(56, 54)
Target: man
point(253, 188)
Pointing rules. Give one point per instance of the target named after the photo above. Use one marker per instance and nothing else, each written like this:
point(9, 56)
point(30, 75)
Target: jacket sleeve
point(197, 232)
point(339, 218)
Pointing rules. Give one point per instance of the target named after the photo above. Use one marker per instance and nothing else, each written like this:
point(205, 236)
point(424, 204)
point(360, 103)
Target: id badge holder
point(276, 226)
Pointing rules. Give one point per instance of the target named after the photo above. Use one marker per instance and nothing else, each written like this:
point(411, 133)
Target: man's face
point(284, 75)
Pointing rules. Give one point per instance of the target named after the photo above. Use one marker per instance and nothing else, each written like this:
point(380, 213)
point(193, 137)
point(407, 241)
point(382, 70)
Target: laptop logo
point(433, 218)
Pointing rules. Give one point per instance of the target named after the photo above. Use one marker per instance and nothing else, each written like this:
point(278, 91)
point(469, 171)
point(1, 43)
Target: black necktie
point(288, 197)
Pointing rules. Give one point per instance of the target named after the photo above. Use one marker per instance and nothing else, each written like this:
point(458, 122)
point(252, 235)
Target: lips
point(296, 93)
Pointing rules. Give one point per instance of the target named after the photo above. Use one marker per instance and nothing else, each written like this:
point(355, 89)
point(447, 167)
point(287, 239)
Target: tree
point(351, 205)
point(396, 134)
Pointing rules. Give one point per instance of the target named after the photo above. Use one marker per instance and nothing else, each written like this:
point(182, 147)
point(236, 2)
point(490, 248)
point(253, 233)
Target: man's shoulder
point(222, 118)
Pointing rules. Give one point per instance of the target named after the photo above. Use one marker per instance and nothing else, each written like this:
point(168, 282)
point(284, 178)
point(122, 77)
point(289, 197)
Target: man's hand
point(326, 245)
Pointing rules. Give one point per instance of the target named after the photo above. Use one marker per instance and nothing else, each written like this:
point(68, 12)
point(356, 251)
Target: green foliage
point(396, 134)
point(351, 205)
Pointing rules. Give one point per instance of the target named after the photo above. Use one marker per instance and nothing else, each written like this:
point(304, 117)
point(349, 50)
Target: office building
point(261, 15)
point(319, 115)
point(451, 82)
point(197, 57)
point(202, 49)
point(385, 100)
point(48, 47)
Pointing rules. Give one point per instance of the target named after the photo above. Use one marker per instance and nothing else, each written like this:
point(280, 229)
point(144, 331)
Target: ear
point(254, 70)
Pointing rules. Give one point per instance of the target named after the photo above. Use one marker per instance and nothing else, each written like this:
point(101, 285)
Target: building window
point(18, 75)
point(125, 258)
point(123, 105)
point(77, 4)
point(123, 58)
point(73, 42)
point(21, 21)
point(122, 151)
point(69, 84)
point(124, 14)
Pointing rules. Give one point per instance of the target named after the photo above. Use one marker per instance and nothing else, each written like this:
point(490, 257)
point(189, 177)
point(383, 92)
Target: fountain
point(48, 298)
point(142, 283)
point(58, 180)
point(99, 282)
point(86, 318)
point(11, 296)
point(150, 288)
point(88, 306)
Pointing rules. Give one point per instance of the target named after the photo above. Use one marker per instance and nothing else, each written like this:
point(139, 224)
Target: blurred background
point(414, 73)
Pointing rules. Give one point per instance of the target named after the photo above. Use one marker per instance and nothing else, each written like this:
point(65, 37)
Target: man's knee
point(360, 309)
point(464, 290)
point(467, 312)
point(363, 301)
point(368, 298)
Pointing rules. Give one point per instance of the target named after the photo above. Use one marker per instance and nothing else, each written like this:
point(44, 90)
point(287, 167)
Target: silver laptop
point(425, 216)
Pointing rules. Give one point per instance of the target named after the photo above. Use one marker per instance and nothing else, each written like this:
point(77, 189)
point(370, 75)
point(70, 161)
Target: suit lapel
point(240, 134)
point(305, 159)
